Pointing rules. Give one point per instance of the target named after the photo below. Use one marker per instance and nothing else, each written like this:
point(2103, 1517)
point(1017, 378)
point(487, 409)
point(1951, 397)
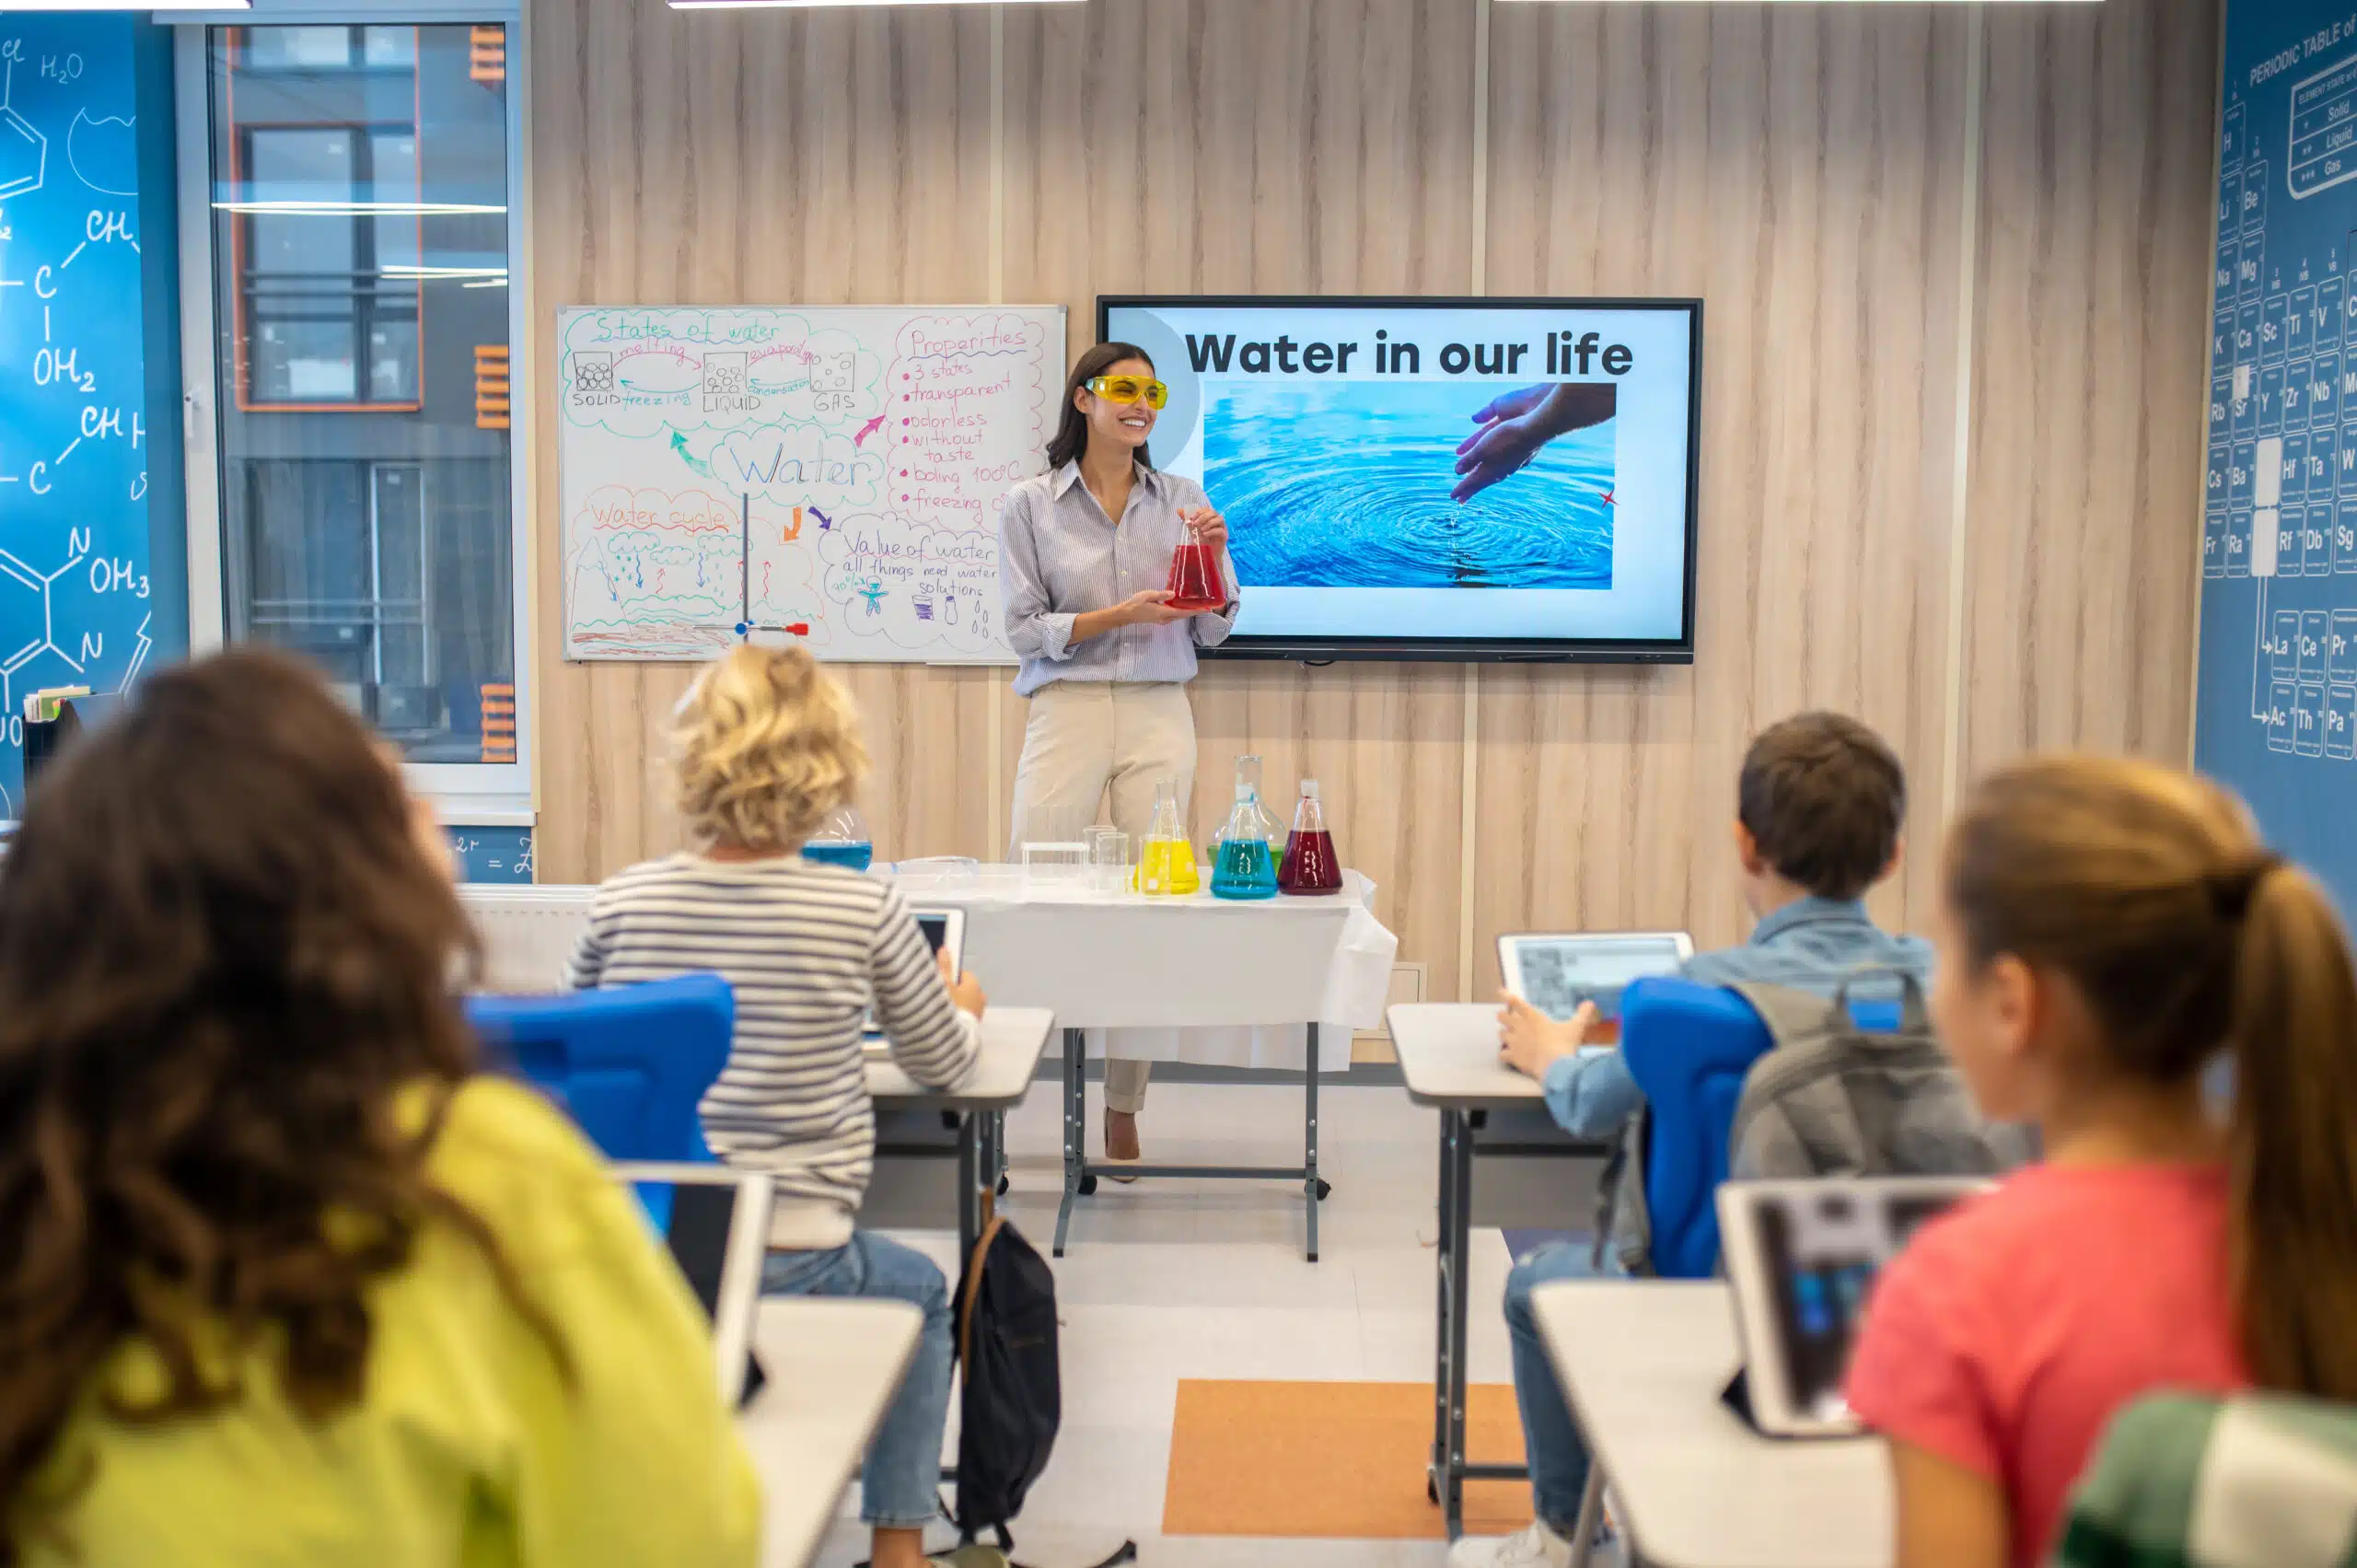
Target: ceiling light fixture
point(22, 5)
point(835, 5)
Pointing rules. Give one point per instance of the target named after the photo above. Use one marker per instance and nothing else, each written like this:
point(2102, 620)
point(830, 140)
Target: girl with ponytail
point(2109, 928)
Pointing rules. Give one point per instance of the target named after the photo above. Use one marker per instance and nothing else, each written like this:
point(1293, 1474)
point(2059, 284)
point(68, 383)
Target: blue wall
point(2276, 687)
point(93, 532)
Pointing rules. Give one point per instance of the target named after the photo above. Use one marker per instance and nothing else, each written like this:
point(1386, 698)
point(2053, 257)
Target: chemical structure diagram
point(493, 854)
point(73, 524)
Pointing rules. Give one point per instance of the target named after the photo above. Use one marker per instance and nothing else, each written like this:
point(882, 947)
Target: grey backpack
point(1835, 1099)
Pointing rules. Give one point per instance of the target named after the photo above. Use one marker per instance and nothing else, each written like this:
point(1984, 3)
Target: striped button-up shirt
point(1060, 555)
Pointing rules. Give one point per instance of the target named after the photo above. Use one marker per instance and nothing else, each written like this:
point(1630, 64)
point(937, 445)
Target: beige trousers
point(1085, 739)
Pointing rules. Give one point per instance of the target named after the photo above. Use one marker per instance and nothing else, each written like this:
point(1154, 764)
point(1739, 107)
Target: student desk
point(833, 1367)
point(1449, 1055)
point(1643, 1362)
point(963, 1124)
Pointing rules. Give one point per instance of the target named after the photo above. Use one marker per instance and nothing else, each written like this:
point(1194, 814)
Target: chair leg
point(1591, 1514)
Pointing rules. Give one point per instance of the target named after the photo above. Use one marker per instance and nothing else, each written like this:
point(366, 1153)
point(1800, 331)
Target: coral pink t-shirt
point(2013, 1328)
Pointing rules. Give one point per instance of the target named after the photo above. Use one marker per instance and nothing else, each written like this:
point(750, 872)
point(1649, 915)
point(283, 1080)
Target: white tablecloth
point(1196, 979)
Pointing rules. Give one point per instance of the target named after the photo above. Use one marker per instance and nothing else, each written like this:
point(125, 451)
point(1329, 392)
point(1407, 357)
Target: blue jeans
point(1558, 1458)
point(900, 1483)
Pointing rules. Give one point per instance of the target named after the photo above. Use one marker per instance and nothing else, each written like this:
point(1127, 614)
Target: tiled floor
point(1173, 1279)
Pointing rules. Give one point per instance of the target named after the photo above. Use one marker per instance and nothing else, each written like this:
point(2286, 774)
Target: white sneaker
point(1537, 1547)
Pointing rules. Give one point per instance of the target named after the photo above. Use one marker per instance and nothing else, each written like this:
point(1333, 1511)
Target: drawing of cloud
point(104, 152)
point(798, 463)
point(917, 585)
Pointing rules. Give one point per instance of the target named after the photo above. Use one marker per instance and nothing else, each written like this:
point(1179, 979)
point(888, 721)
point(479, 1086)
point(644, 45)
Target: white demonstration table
point(1643, 1362)
point(1448, 1056)
point(833, 1367)
point(1013, 1039)
point(1105, 959)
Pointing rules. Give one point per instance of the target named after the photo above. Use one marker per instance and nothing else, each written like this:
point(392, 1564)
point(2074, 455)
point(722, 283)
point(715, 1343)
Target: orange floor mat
point(1335, 1460)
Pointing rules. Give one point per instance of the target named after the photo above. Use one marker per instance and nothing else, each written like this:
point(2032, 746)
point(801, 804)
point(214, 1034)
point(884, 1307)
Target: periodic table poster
point(2277, 688)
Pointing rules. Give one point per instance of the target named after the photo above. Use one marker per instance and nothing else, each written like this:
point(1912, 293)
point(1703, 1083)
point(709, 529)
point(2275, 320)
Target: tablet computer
point(1556, 972)
point(715, 1219)
point(945, 932)
point(1800, 1256)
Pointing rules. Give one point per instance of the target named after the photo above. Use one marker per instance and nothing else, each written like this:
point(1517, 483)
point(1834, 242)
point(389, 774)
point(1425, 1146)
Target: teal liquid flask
point(1242, 865)
point(842, 839)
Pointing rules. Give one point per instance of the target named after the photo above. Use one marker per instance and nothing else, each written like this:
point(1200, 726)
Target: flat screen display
point(1421, 478)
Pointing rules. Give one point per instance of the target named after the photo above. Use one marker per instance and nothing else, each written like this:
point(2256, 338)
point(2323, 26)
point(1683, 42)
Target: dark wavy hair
point(223, 955)
point(1071, 431)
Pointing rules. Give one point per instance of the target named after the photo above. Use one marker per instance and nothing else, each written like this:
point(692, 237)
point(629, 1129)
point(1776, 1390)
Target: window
point(358, 189)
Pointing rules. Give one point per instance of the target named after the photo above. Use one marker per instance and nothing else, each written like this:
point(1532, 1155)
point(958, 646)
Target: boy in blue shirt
point(1819, 804)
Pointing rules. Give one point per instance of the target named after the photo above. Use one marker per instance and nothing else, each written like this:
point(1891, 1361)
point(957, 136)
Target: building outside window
point(359, 190)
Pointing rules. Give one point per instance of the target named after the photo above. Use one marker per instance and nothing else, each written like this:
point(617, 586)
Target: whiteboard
point(826, 475)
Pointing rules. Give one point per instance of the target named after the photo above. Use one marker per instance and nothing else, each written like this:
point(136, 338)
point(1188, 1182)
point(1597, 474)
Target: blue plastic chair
point(1689, 1048)
point(628, 1066)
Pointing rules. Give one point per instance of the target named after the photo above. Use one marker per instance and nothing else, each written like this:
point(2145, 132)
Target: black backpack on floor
point(1014, 1398)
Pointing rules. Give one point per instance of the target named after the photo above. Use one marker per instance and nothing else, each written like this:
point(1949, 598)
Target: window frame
point(468, 794)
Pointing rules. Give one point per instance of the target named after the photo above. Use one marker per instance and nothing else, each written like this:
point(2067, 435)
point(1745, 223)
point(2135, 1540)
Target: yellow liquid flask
point(1167, 860)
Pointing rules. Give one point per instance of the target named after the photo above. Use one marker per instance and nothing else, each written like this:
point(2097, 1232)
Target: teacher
point(1085, 551)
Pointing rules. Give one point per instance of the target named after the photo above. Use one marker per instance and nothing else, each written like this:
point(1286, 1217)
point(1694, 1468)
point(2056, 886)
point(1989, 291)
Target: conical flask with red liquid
point(1196, 583)
point(1311, 864)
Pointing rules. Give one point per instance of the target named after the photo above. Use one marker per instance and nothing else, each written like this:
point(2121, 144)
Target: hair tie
point(2231, 892)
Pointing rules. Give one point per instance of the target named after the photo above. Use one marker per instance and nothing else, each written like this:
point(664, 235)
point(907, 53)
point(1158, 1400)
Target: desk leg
point(1436, 1474)
point(1460, 1235)
point(973, 1191)
point(1309, 1146)
point(1075, 1128)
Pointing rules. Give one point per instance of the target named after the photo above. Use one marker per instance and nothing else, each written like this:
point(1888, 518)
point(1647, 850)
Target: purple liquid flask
point(1311, 864)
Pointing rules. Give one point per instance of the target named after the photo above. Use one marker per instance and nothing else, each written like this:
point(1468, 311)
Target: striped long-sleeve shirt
point(805, 947)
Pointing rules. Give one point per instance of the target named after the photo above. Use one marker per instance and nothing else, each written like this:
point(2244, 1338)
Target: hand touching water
point(1516, 427)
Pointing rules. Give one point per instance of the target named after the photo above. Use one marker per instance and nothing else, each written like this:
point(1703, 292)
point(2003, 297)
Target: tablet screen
point(1558, 973)
point(693, 1219)
point(1822, 1251)
point(935, 926)
point(715, 1222)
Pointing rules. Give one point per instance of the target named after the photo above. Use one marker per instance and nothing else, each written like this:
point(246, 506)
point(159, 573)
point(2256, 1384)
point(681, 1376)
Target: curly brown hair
point(224, 956)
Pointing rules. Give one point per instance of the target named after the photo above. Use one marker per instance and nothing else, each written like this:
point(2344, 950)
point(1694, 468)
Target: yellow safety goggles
point(1129, 390)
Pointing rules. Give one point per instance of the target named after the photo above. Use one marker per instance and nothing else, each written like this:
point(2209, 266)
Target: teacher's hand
point(1151, 608)
point(1210, 526)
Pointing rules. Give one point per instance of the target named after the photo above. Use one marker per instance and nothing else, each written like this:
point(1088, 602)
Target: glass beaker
point(1109, 859)
point(1242, 866)
point(1166, 859)
point(1310, 864)
point(841, 839)
point(1196, 582)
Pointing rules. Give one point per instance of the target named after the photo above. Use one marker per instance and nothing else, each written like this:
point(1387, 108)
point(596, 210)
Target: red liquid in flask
point(1196, 583)
point(1310, 864)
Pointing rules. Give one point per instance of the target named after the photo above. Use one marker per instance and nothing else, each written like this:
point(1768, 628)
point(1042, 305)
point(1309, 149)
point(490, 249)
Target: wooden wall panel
point(1236, 146)
point(1800, 170)
point(2090, 358)
point(770, 158)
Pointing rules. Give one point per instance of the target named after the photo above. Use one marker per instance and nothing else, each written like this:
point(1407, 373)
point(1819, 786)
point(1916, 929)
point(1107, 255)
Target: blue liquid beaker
point(842, 839)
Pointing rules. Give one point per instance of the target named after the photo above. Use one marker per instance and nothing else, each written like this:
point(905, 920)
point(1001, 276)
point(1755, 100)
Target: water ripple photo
point(1347, 485)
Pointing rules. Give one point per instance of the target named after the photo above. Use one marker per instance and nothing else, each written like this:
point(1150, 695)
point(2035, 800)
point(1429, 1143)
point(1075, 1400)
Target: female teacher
point(1084, 553)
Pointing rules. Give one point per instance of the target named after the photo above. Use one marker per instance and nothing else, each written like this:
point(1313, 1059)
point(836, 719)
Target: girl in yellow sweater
point(281, 1279)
